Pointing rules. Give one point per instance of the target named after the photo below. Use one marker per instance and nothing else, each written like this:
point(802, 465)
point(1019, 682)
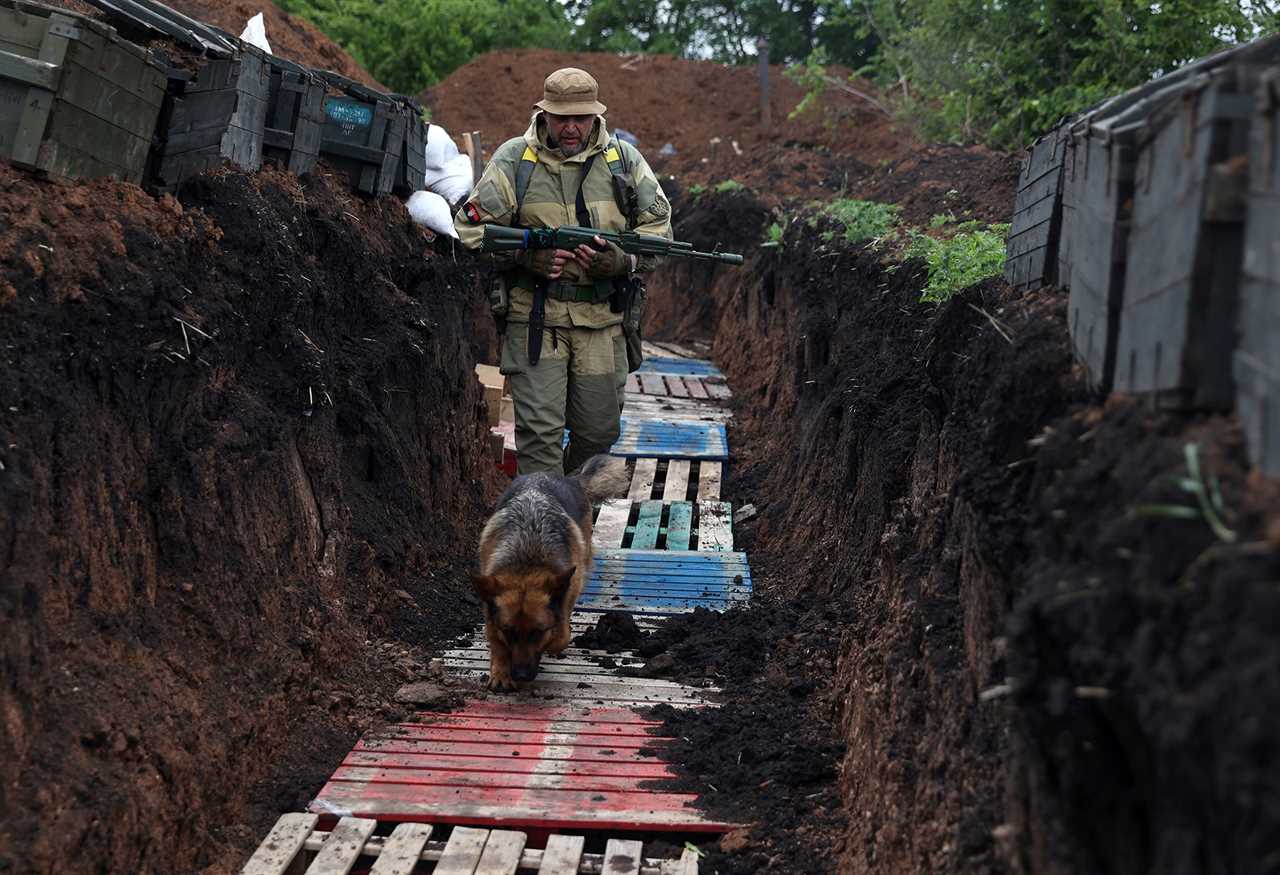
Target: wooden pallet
point(694, 386)
point(657, 582)
point(672, 505)
point(581, 676)
point(516, 763)
point(294, 842)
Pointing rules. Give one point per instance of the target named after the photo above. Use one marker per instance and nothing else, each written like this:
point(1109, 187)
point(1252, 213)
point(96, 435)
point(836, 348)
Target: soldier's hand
point(547, 263)
point(603, 261)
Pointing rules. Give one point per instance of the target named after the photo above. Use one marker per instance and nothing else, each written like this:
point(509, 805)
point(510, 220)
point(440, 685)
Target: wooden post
point(762, 49)
point(471, 145)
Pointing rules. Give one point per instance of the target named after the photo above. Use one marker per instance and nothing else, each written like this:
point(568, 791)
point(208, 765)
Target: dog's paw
point(502, 684)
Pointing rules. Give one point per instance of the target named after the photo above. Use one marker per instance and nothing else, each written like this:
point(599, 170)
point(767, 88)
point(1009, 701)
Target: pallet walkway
point(569, 752)
point(295, 842)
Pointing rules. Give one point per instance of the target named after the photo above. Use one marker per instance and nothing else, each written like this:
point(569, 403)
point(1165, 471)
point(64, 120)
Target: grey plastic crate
point(216, 114)
point(1178, 320)
point(363, 134)
point(1257, 358)
point(1032, 251)
point(76, 100)
point(295, 116)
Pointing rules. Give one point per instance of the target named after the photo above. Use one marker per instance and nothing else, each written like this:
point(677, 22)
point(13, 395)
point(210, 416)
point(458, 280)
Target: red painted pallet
point(515, 765)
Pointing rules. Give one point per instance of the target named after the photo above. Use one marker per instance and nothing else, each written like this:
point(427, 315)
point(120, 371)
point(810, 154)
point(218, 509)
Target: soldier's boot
point(597, 378)
point(538, 394)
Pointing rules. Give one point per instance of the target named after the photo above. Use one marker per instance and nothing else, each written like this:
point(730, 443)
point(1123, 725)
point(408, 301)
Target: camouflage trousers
point(578, 383)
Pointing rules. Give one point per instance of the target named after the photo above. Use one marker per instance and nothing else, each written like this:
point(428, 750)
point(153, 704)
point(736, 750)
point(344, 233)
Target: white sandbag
point(453, 181)
point(255, 33)
point(432, 211)
point(440, 147)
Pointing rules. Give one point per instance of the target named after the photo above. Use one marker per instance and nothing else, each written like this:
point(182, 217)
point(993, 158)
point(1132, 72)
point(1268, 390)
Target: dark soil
point(242, 452)
point(949, 513)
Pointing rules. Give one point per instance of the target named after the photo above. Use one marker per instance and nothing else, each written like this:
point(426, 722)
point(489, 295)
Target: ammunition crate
point(1257, 358)
point(411, 174)
point(76, 100)
point(295, 116)
point(1032, 252)
point(214, 115)
point(363, 134)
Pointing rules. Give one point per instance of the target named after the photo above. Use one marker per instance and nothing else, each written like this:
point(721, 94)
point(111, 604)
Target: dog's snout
point(525, 672)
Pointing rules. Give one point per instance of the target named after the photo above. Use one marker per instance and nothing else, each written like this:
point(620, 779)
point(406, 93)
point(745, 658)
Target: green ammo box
point(76, 100)
point(363, 134)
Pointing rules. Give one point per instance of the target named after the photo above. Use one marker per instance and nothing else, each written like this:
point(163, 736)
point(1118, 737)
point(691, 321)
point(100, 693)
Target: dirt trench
point(241, 447)
point(962, 623)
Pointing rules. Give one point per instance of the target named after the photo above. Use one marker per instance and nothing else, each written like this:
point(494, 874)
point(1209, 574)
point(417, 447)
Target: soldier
point(566, 170)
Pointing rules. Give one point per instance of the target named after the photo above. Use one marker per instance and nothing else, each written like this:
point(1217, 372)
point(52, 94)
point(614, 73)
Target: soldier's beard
point(570, 151)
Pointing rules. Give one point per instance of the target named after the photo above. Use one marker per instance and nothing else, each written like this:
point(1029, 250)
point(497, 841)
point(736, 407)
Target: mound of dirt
point(662, 99)
point(240, 449)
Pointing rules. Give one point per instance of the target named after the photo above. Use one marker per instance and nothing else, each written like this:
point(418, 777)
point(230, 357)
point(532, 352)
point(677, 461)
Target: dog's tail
point(604, 477)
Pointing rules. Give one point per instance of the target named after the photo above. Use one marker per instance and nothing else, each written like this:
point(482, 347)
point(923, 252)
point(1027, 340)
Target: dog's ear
point(560, 588)
point(485, 586)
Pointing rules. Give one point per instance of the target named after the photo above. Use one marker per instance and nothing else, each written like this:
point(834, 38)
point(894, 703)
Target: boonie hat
point(570, 91)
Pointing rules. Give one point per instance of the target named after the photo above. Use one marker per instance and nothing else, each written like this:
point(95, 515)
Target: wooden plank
point(462, 853)
point(676, 387)
point(647, 524)
point(623, 857)
point(695, 387)
point(402, 850)
point(646, 471)
point(677, 486)
point(341, 850)
point(278, 851)
point(633, 383)
point(611, 523)
point(468, 781)
point(495, 767)
point(709, 481)
point(715, 528)
point(679, 525)
point(652, 384)
point(686, 865)
point(501, 853)
point(717, 390)
point(562, 856)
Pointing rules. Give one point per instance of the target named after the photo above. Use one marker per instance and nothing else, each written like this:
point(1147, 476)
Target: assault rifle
point(500, 238)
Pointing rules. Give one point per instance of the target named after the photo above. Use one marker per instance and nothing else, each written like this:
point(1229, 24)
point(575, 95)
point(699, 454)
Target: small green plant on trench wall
point(1203, 487)
point(862, 220)
point(729, 185)
point(957, 263)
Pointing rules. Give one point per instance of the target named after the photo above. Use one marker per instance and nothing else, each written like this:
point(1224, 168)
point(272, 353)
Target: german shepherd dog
point(535, 555)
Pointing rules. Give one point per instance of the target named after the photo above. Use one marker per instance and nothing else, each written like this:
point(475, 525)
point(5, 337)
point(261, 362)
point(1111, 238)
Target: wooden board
point(516, 795)
point(666, 581)
point(281, 847)
point(462, 853)
point(715, 525)
point(695, 387)
point(403, 850)
point(672, 439)
point(340, 852)
point(642, 477)
point(709, 474)
point(562, 856)
point(682, 367)
point(676, 387)
point(677, 483)
point(611, 523)
point(501, 853)
point(680, 526)
point(647, 524)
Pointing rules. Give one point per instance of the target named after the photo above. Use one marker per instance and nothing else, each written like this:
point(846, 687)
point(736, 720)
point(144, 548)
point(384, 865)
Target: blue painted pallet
point(679, 367)
point(662, 439)
point(666, 581)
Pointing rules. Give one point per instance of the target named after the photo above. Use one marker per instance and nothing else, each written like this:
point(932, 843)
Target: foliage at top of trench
point(957, 254)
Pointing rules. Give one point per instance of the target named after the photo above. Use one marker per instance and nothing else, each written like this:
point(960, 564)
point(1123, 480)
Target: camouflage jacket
point(550, 201)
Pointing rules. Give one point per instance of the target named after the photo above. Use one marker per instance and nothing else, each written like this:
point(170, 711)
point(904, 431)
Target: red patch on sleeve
point(471, 212)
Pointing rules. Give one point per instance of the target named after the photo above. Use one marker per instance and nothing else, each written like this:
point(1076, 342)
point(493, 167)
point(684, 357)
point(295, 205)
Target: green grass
point(729, 185)
point(862, 220)
point(773, 237)
point(964, 260)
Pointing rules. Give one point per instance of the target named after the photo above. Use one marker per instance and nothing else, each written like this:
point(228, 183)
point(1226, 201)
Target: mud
point(241, 447)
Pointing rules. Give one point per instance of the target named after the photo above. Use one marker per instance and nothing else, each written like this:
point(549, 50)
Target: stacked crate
point(76, 100)
point(295, 116)
point(1257, 358)
point(1032, 251)
point(363, 134)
